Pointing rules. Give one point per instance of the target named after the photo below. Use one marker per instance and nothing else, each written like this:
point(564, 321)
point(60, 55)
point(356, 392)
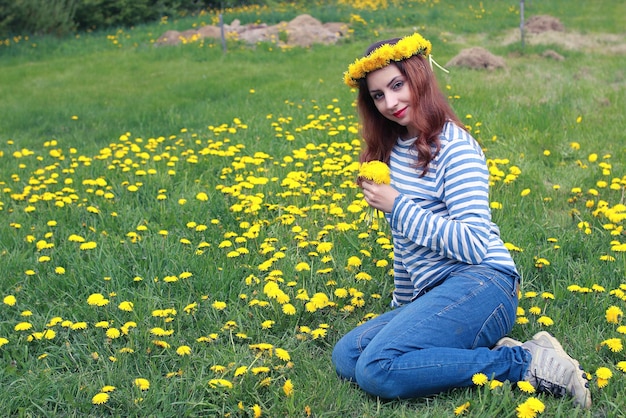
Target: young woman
point(456, 286)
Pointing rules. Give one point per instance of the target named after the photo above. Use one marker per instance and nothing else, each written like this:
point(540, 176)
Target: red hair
point(430, 111)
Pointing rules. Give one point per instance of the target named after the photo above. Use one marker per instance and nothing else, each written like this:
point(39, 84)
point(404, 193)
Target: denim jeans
point(438, 341)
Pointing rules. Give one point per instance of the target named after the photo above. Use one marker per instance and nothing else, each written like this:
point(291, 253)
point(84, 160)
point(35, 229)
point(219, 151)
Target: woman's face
point(391, 94)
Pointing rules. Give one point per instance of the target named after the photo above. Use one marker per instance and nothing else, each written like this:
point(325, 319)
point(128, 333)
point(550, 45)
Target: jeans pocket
point(496, 326)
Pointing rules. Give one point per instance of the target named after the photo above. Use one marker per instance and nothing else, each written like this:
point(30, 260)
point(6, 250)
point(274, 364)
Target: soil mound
point(477, 58)
point(543, 23)
point(304, 30)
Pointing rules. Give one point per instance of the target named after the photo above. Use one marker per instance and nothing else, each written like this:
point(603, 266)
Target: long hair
point(430, 111)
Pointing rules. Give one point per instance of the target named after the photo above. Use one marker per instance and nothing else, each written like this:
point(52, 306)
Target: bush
point(61, 17)
point(37, 16)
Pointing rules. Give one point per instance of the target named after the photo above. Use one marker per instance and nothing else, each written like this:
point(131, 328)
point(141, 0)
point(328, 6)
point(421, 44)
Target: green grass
point(85, 118)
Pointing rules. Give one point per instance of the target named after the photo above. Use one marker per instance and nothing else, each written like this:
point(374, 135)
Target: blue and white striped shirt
point(442, 221)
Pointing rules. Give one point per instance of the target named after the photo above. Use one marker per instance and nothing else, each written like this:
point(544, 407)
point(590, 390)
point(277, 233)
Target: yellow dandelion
point(376, 171)
point(288, 387)
point(9, 300)
point(495, 384)
point(23, 326)
point(479, 379)
point(614, 344)
point(525, 411)
point(100, 398)
point(621, 366)
point(303, 266)
point(183, 350)
point(525, 386)
point(282, 354)
point(545, 321)
point(289, 309)
point(126, 306)
point(220, 383)
point(604, 373)
point(240, 371)
point(3, 341)
point(460, 410)
point(613, 314)
point(535, 404)
point(142, 384)
point(113, 333)
point(219, 305)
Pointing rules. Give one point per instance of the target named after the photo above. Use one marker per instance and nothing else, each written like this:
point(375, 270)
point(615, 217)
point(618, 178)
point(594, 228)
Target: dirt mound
point(304, 30)
point(543, 23)
point(477, 58)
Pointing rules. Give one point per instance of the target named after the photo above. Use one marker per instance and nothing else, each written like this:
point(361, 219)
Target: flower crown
point(381, 57)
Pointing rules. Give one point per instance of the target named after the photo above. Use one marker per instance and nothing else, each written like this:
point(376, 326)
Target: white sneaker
point(553, 371)
point(507, 342)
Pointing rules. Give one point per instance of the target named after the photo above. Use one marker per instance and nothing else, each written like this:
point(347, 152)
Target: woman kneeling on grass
point(456, 286)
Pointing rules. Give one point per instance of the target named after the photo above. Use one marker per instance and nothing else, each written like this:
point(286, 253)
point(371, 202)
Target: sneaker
point(507, 342)
point(553, 371)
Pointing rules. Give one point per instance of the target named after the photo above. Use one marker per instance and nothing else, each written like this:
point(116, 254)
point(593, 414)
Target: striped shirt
point(442, 221)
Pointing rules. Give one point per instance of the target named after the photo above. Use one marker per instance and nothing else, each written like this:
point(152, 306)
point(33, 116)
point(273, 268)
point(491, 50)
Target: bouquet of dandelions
point(378, 172)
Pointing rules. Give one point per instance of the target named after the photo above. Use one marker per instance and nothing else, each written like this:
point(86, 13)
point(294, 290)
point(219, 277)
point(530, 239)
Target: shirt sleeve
point(462, 231)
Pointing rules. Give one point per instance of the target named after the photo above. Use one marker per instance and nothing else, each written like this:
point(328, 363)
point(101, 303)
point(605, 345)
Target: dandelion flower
point(10, 300)
point(495, 384)
point(126, 306)
point(256, 410)
point(479, 379)
point(219, 305)
point(282, 354)
point(376, 171)
point(23, 326)
point(288, 387)
point(223, 383)
point(113, 333)
point(142, 384)
point(622, 366)
point(525, 411)
point(289, 309)
point(303, 266)
point(3, 341)
point(100, 398)
point(545, 320)
point(183, 350)
point(525, 386)
point(604, 373)
point(459, 410)
point(107, 388)
point(535, 404)
point(613, 314)
point(614, 344)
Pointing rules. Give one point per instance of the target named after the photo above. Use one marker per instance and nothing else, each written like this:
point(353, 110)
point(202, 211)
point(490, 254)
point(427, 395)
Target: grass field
point(181, 235)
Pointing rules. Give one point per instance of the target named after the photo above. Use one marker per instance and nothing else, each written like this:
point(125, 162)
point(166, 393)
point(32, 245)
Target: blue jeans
point(438, 341)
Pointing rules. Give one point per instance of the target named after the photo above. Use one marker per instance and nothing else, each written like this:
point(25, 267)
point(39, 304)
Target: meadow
point(181, 233)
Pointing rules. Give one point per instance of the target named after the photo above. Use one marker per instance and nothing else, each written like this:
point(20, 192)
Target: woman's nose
point(391, 100)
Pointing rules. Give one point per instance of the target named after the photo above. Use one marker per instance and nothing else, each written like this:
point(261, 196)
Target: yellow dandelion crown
point(381, 57)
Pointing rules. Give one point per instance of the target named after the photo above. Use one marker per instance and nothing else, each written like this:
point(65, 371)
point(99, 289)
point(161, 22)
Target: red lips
point(399, 113)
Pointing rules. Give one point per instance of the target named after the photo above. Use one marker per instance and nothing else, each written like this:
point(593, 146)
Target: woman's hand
point(379, 196)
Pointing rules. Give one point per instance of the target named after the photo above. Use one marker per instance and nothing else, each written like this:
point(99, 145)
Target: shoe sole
point(582, 382)
point(508, 342)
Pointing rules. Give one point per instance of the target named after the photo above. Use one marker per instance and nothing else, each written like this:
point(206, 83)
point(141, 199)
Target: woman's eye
point(377, 96)
point(398, 85)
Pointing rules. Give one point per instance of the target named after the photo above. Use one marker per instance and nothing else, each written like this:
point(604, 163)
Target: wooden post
point(521, 24)
point(223, 35)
